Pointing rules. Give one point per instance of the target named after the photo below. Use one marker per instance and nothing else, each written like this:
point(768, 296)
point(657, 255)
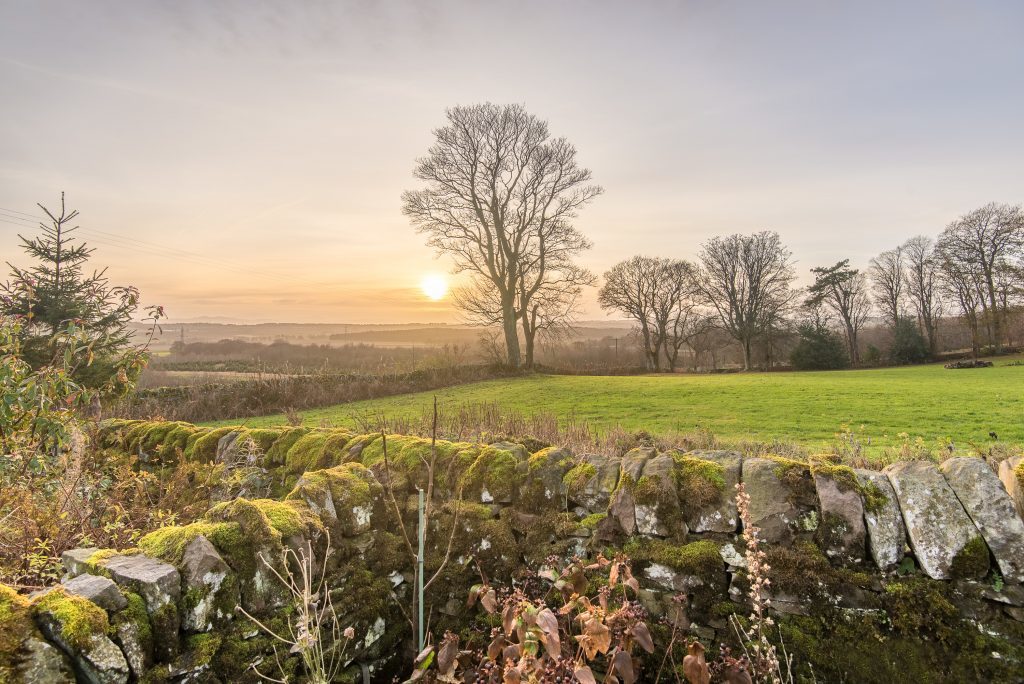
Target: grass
point(927, 402)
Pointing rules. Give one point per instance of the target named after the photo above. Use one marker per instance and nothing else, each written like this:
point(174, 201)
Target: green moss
point(79, 618)
point(578, 476)
point(306, 453)
point(972, 561)
point(874, 498)
point(499, 470)
point(136, 613)
point(278, 452)
point(290, 518)
point(169, 543)
point(861, 647)
point(593, 520)
point(1019, 474)
point(801, 570)
point(175, 442)
point(202, 647)
point(204, 449)
point(264, 438)
point(700, 483)
point(15, 626)
point(699, 558)
point(918, 606)
point(336, 447)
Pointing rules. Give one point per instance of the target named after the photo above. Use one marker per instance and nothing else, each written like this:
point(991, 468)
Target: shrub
point(819, 349)
point(908, 344)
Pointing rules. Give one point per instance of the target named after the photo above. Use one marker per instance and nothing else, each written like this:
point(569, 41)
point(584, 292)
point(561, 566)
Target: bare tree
point(923, 278)
point(500, 198)
point(549, 310)
point(631, 287)
point(888, 284)
point(963, 282)
point(843, 291)
point(986, 243)
point(683, 318)
point(746, 279)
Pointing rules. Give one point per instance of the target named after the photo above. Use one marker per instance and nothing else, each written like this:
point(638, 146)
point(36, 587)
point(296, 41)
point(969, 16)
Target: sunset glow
point(435, 287)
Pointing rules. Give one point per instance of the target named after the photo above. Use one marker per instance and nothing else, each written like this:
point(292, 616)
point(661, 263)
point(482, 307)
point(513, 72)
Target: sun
point(434, 286)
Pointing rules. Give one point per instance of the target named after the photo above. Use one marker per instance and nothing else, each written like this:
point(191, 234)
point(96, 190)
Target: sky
point(246, 159)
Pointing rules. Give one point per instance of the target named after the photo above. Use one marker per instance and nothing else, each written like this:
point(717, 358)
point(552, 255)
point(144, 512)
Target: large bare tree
point(747, 280)
point(500, 196)
point(632, 287)
point(923, 277)
point(843, 291)
point(888, 283)
point(986, 243)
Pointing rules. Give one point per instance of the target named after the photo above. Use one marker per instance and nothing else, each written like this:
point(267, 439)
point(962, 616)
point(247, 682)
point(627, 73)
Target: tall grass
point(262, 395)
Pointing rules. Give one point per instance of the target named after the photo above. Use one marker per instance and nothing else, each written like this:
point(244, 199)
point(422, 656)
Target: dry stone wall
point(909, 562)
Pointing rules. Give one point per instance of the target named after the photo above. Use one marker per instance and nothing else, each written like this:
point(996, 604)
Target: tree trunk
point(746, 354)
point(529, 336)
point(508, 320)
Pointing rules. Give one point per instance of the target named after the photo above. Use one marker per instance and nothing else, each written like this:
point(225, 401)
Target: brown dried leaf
point(423, 655)
point(622, 666)
point(599, 633)
point(494, 648)
point(512, 652)
point(583, 675)
point(643, 636)
point(474, 594)
point(512, 676)
point(696, 668)
point(490, 601)
point(447, 654)
point(613, 576)
point(508, 618)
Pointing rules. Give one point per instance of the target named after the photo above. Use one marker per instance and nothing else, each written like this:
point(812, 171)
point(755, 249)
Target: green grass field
point(807, 408)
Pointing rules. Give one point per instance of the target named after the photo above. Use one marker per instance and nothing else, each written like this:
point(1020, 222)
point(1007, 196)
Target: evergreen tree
point(819, 349)
point(908, 344)
point(57, 291)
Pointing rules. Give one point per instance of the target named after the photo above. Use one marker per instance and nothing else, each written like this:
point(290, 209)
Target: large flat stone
point(593, 496)
point(159, 584)
point(775, 505)
point(887, 537)
point(210, 587)
point(841, 534)
point(720, 516)
point(97, 659)
point(100, 590)
point(1014, 485)
point(657, 502)
point(937, 525)
point(986, 501)
point(75, 560)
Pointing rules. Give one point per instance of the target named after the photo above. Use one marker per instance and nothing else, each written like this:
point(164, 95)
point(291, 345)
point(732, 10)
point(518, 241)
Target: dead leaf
point(508, 618)
point(513, 676)
point(643, 636)
point(446, 655)
point(490, 601)
point(695, 667)
point(494, 648)
point(423, 655)
point(583, 675)
point(622, 666)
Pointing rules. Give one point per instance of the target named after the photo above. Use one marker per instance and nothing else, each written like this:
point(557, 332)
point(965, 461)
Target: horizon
point(188, 137)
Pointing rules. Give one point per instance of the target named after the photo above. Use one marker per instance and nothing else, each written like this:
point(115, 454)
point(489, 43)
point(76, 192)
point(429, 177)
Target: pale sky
point(245, 159)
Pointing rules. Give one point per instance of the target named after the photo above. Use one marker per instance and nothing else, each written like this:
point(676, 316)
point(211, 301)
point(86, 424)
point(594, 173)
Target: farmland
point(884, 407)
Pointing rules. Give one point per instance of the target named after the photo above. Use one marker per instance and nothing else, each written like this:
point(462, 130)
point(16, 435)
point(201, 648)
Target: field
point(808, 408)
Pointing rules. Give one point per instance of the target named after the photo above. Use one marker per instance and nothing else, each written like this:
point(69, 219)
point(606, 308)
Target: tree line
point(500, 195)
